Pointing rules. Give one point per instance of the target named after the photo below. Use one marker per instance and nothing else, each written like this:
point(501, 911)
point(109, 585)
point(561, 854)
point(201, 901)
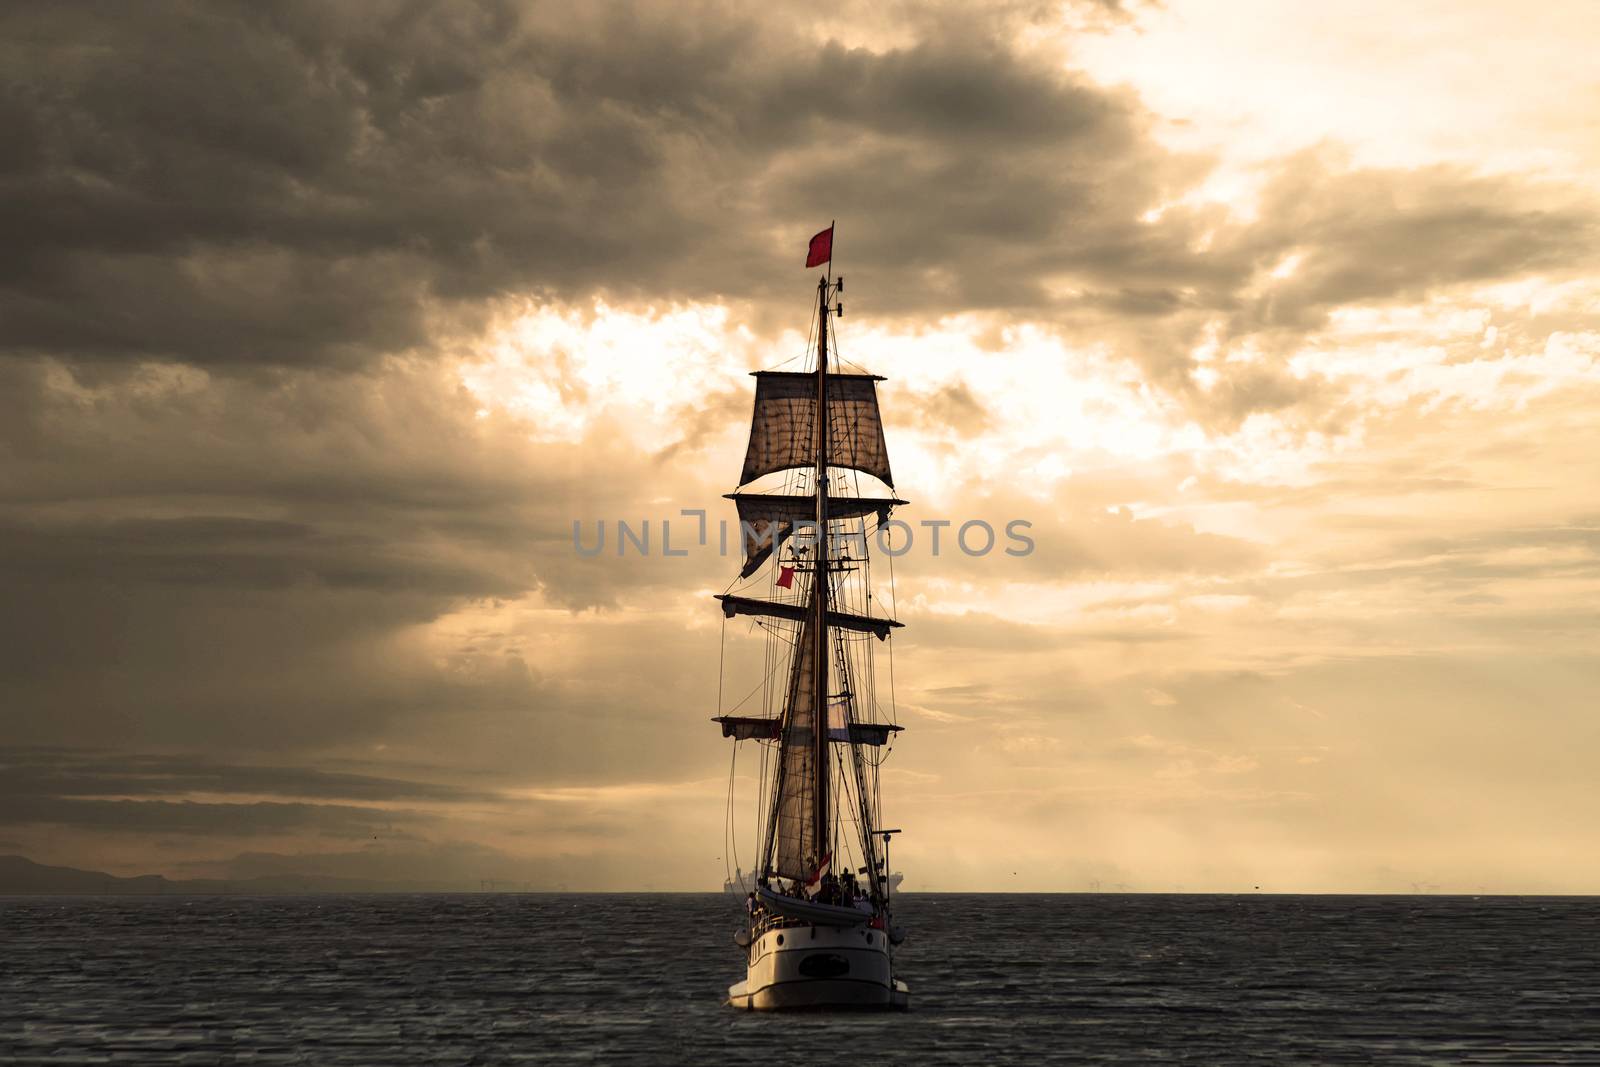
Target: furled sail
point(781, 432)
point(774, 609)
point(750, 728)
point(866, 733)
point(797, 849)
point(766, 519)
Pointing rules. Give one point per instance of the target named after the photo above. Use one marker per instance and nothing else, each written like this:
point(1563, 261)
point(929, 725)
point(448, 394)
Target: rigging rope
point(730, 844)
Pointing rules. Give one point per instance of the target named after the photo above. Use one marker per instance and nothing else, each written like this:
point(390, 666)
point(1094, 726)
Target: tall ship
point(814, 498)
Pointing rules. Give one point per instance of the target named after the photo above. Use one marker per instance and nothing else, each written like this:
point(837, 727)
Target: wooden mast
point(819, 628)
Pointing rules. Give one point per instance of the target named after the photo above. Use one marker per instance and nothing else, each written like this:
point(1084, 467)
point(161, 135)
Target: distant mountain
point(21, 876)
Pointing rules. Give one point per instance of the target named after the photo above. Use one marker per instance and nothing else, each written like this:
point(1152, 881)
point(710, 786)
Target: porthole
point(780, 939)
point(869, 939)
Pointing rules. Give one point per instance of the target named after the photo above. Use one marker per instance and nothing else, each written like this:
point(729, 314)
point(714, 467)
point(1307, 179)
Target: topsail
point(783, 431)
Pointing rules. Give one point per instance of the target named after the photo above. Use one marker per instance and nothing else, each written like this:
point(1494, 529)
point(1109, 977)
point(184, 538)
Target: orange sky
point(1281, 327)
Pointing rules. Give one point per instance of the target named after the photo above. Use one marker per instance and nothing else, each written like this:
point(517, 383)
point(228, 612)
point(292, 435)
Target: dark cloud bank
point(299, 184)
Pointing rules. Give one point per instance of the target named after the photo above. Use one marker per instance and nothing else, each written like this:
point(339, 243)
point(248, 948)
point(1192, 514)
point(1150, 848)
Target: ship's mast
point(800, 832)
point(820, 577)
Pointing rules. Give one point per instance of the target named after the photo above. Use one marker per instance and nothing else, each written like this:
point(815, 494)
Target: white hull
point(819, 967)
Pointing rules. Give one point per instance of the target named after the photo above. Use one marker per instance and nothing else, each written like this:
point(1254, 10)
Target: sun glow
point(564, 369)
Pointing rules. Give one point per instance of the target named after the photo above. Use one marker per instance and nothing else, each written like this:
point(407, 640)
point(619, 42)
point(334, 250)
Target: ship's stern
point(813, 966)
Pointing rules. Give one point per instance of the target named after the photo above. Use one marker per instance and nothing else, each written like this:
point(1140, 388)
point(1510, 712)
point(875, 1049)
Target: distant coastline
point(20, 876)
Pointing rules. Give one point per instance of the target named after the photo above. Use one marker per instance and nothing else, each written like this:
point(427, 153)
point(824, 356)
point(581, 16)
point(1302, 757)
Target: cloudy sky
point(321, 324)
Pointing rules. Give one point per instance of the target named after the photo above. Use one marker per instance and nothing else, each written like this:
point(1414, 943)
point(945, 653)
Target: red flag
point(821, 250)
point(785, 577)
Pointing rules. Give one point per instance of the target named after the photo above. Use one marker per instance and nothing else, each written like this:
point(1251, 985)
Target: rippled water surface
point(609, 979)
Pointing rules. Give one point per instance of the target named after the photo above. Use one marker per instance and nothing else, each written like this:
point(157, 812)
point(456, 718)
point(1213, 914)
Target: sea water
point(995, 978)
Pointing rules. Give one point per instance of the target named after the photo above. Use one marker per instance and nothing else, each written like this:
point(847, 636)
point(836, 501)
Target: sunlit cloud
point(1279, 328)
